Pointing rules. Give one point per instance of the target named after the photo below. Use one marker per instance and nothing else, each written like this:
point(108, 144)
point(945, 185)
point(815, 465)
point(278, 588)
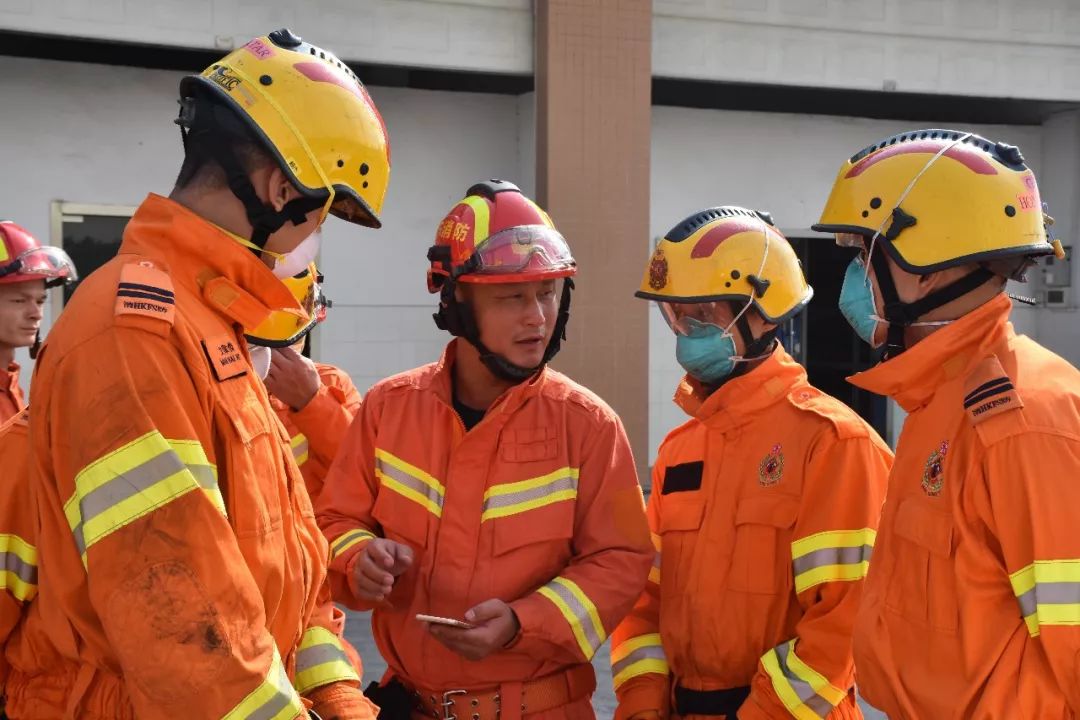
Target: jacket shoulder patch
point(145, 290)
point(989, 391)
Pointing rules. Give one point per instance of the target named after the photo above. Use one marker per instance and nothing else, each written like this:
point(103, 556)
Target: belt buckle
point(448, 703)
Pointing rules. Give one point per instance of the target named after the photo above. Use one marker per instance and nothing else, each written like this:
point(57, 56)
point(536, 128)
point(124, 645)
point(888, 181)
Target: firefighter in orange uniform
point(325, 395)
point(181, 572)
point(972, 605)
point(27, 270)
point(18, 532)
point(490, 489)
point(315, 402)
point(764, 504)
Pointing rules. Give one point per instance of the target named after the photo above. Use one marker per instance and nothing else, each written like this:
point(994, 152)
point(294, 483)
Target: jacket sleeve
point(639, 668)
point(344, 508)
point(326, 418)
point(834, 534)
point(1034, 494)
point(128, 449)
point(569, 618)
point(325, 672)
point(18, 533)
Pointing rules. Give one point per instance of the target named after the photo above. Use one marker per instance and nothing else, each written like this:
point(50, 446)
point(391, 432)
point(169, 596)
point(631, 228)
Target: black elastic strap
point(710, 702)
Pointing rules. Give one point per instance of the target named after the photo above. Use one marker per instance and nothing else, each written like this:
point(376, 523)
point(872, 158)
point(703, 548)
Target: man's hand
point(380, 564)
point(495, 626)
point(293, 379)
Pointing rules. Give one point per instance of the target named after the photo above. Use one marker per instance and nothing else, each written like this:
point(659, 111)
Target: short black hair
point(213, 124)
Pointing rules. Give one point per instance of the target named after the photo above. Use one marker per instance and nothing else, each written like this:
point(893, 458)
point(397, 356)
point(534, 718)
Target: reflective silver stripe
point(278, 702)
point(558, 484)
point(309, 657)
point(809, 697)
point(832, 556)
point(301, 448)
point(122, 487)
point(647, 652)
point(414, 484)
point(10, 562)
point(1049, 593)
point(580, 612)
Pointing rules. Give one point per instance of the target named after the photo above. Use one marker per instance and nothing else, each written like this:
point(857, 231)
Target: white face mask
point(297, 260)
point(260, 360)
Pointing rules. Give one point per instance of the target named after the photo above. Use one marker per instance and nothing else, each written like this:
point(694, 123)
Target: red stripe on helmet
point(970, 157)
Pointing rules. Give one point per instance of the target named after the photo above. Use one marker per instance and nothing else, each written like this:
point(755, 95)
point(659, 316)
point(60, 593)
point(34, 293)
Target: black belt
point(710, 702)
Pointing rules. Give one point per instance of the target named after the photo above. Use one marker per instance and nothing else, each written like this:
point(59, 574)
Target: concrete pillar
point(593, 95)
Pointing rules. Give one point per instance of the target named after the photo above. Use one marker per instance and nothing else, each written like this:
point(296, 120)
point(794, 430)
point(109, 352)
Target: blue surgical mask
point(857, 301)
point(707, 353)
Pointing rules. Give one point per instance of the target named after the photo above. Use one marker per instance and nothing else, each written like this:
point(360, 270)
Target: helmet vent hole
point(312, 51)
point(266, 80)
point(875, 203)
point(1010, 210)
point(364, 168)
point(341, 163)
point(365, 184)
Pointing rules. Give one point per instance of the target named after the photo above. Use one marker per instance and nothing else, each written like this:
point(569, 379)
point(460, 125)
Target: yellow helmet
point(311, 113)
point(287, 327)
point(938, 199)
point(728, 253)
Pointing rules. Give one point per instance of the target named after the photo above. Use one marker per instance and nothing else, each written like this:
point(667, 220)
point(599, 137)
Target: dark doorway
point(830, 350)
point(91, 241)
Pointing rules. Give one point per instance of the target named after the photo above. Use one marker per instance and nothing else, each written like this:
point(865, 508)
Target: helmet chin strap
point(457, 317)
point(199, 118)
point(900, 315)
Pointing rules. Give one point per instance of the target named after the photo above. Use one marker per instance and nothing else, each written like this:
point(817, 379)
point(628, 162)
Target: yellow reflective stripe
point(579, 612)
point(482, 219)
point(192, 454)
point(134, 480)
point(518, 497)
point(833, 539)
point(409, 481)
point(1048, 592)
point(299, 445)
point(638, 656)
point(3, 252)
point(806, 693)
point(321, 660)
point(347, 540)
point(18, 567)
point(274, 698)
point(840, 555)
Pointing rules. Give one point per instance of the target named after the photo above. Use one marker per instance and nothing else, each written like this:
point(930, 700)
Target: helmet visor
point(527, 251)
point(684, 318)
point(45, 263)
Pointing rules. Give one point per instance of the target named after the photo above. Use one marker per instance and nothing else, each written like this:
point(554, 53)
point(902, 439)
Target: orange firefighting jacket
point(763, 509)
point(180, 567)
point(11, 396)
point(18, 530)
point(537, 505)
point(317, 430)
point(972, 606)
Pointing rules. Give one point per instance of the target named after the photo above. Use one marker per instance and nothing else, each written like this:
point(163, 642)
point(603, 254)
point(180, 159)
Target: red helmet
point(23, 258)
point(497, 235)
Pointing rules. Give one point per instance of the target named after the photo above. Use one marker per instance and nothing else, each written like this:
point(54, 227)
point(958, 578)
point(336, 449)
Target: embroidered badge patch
point(771, 467)
point(658, 271)
point(933, 478)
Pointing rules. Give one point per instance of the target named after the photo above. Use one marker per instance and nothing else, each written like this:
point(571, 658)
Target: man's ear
point(279, 188)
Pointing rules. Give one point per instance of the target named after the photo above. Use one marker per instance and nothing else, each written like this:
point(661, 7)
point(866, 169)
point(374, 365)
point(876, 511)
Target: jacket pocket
point(922, 586)
point(253, 478)
point(528, 445)
point(761, 560)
